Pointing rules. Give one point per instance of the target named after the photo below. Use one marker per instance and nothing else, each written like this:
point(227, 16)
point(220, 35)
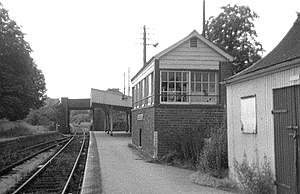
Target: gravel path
point(122, 171)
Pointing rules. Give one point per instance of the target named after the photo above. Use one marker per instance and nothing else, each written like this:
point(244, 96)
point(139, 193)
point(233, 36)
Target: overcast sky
point(90, 44)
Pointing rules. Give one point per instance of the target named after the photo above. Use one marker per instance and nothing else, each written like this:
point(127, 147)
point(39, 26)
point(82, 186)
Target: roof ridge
point(298, 18)
point(286, 50)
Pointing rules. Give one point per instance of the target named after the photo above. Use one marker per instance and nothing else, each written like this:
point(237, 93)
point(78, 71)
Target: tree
point(47, 115)
point(78, 116)
point(233, 31)
point(22, 84)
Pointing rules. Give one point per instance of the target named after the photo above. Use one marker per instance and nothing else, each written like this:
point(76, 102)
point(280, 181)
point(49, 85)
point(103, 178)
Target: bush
point(187, 146)
point(253, 179)
point(214, 157)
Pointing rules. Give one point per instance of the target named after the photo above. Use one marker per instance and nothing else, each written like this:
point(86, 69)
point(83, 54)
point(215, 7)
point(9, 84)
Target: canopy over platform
point(111, 98)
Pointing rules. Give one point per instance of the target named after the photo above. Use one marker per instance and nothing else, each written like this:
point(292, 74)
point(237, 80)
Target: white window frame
point(188, 88)
point(140, 97)
point(216, 93)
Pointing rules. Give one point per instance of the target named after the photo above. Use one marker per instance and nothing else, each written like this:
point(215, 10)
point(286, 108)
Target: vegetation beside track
point(13, 150)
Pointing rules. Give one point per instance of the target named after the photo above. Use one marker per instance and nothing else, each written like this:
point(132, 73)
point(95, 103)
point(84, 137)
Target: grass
point(19, 128)
point(206, 179)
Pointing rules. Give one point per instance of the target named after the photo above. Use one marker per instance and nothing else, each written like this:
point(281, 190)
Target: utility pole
point(203, 22)
point(124, 83)
point(128, 76)
point(144, 46)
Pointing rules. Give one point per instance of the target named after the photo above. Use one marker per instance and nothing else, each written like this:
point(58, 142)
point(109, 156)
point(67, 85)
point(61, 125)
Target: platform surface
point(123, 171)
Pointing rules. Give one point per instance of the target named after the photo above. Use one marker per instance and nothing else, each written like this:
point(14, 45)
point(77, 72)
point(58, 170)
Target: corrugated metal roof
point(287, 50)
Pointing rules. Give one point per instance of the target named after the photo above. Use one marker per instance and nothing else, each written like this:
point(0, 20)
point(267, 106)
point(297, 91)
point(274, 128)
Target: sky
point(84, 44)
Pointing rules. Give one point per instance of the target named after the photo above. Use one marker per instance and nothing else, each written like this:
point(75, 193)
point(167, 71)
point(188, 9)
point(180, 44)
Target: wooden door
point(286, 130)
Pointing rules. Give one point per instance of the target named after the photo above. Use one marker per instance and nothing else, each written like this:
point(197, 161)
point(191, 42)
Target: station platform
point(123, 171)
point(92, 176)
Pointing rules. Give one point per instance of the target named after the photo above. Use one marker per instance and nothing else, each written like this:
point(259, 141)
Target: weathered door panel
point(284, 124)
point(297, 110)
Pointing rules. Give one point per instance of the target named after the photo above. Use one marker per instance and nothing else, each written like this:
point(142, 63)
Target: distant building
point(178, 88)
point(111, 110)
point(263, 112)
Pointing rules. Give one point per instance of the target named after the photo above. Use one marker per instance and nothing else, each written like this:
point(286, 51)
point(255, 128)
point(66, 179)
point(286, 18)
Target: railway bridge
point(107, 107)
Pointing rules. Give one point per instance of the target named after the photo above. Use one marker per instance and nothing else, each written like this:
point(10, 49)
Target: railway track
point(56, 174)
point(9, 161)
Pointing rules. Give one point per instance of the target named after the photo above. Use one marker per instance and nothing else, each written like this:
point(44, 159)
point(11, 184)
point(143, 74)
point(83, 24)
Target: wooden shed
point(263, 112)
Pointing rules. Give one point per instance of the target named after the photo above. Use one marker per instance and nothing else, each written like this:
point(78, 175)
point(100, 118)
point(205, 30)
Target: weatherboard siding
point(255, 146)
point(184, 55)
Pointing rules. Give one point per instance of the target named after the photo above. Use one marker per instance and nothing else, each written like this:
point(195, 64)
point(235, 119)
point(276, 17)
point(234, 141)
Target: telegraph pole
point(124, 83)
point(203, 22)
point(144, 46)
point(128, 77)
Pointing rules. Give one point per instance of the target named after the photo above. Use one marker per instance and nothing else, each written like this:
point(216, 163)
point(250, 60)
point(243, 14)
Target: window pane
point(152, 81)
point(205, 77)
point(192, 87)
point(164, 86)
point(178, 86)
point(171, 86)
point(171, 76)
point(184, 86)
point(178, 97)
point(198, 76)
point(198, 87)
point(185, 76)
point(193, 76)
point(205, 88)
point(184, 97)
point(164, 97)
point(171, 97)
point(212, 87)
point(178, 76)
point(163, 76)
point(212, 77)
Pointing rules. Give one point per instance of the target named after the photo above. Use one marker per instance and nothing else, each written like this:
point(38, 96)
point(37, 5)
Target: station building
point(179, 88)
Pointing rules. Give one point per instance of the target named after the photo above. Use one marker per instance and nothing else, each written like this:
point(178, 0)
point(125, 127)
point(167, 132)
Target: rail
point(42, 168)
point(56, 164)
point(8, 168)
point(74, 167)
